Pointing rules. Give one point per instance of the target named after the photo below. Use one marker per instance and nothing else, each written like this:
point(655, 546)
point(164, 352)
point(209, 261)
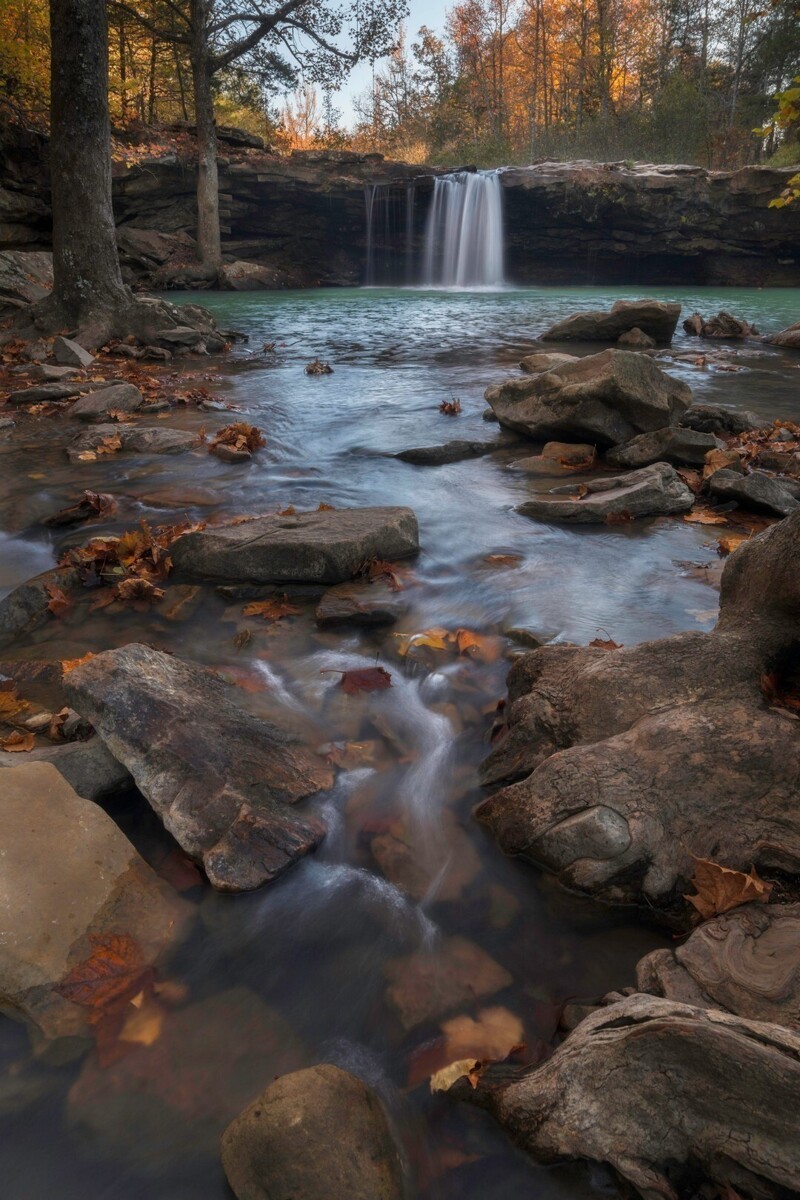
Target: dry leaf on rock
point(59, 601)
point(606, 643)
point(494, 1033)
point(271, 610)
point(720, 889)
point(443, 1080)
point(10, 703)
point(369, 679)
point(434, 639)
point(91, 504)
point(18, 742)
point(113, 972)
point(730, 542)
point(240, 436)
point(704, 516)
point(450, 408)
point(138, 593)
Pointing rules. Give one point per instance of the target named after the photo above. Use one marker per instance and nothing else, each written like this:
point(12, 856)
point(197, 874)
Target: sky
point(422, 12)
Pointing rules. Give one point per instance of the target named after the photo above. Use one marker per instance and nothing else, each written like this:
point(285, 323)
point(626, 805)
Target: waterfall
point(464, 234)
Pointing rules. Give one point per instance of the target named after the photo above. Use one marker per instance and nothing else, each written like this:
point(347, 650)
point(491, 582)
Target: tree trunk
point(88, 288)
point(209, 249)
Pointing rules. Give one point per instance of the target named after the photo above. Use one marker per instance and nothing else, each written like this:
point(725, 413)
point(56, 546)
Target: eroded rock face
point(67, 873)
point(669, 1095)
point(789, 337)
point(605, 398)
point(651, 491)
point(222, 781)
point(746, 962)
point(630, 761)
point(653, 318)
point(311, 547)
point(672, 445)
point(319, 1134)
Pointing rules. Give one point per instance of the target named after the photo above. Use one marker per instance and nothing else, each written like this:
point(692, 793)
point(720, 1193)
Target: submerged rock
point(120, 397)
point(223, 782)
point(328, 546)
point(28, 606)
point(449, 452)
point(606, 398)
point(430, 983)
point(716, 418)
point(636, 339)
point(757, 491)
point(789, 337)
point(671, 444)
point(68, 878)
point(746, 962)
point(317, 1134)
point(670, 1096)
point(651, 491)
point(361, 604)
point(534, 364)
point(652, 317)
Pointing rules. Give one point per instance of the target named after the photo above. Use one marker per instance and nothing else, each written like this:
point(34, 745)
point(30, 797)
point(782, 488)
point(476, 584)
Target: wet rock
point(652, 317)
point(450, 452)
point(524, 637)
point(45, 392)
point(636, 339)
point(605, 398)
point(171, 1100)
point(648, 492)
point(319, 1134)
point(360, 604)
point(121, 397)
point(716, 418)
point(688, 1096)
point(67, 872)
point(89, 767)
point(222, 783)
point(756, 491)
point(142, 439)
point(50, 374)
point(632, 761)
point(306, 547)
point(489, 415)
point(68, 353)
point(722, 460)
point(425, 865)
point(745, 962)
point(789, 337)
point(683, 447)
point(231, 454)
point(568, 453)
point(429, 984)
point(723, 325)
point(534, 364)
point(28, 606)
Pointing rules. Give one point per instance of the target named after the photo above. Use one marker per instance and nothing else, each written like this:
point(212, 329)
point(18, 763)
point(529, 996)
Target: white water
point(464, 233)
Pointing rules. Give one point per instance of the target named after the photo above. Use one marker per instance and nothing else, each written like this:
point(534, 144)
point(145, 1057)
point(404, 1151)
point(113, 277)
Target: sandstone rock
point(319, 1134)
point(636, 339)
point(723, 325)
point(450, 452)
point(715, 418)
point(534, 364)
point(428, 984)
point(88, 767)
point(307, 547)
point(140, 439)
point(222, 783)
point(688, 1097)
point(68, 353)
point(652, 317)
point(745, 962)
point(789, 337)
point(360, 604)
point(122, 397)
point(67, 872)
point(671, 444)
point(756, 491)
point(169, 1101)
point(648, 492)
point(606, 398)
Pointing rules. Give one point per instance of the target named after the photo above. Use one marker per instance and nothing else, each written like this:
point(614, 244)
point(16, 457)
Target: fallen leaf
point(434, 639)
point(720, 889)
point(618, 518)
point(475, 645)
point(704, 516)
point(444, 1079)
point(450, 408)
point(113, 972)
point(730, 542)
point(243, 638)
point(143, 1025)
point(291, 511)
point(376, 570)
point(240, 436)
point(368, 679)
point(59, 601)
point(318, 367)
point(91, 504)
point(18, 742)
point(10, 703)
point(493, 1034)
point(109, 445)
point(139, 593)
point(503, 560)
point(606, 643)
point(271, 610)
point(325, 507)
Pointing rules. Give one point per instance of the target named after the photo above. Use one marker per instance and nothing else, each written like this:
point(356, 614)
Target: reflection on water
point(404, 867)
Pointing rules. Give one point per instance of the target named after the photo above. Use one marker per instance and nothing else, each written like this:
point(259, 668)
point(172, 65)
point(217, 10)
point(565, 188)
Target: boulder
point(223, 783)
point(789, 337)
point(450, 452)
point(673, 444)
point(69, 879)
point(671, 1096)
point(757, 491)
point(139, 439)
point(120, 397)
point(68, 353)
point(361, 604)
point(166, 1102)
point(46, 392)
point(28, 606)
point(745, 962)
point(723, 325)
point(716, 418)
point(534, 364)
point(319, 1134)
point(636, 339)
point(633, 762)
point(651, 491)
point(606, 398)
point(89, 767)
point(25, 277)
point(305, 547)
point(652, 317)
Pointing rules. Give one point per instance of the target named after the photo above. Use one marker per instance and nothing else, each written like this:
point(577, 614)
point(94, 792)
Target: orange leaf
point(69, 664)
point(503, 560)
point(704, 516)
point(112, 973)
point(720, 889)
point(369, 679)
point(271, 610)
point(18, 742)
point(59, 601)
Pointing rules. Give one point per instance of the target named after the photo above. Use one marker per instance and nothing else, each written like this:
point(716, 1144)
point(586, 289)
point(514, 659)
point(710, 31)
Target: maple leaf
point(138, 592)
point(109, 445)
point(720, 889)
point(240, 436)
point(111, 975)
point(606, 643)
point(475, 645)
point(375, 570)
point(18, 742)
point(59, 601)
point(271, 610)
point(367, 679)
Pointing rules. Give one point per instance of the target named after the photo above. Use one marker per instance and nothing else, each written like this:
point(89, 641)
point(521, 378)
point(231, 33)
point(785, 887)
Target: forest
point(505, 81)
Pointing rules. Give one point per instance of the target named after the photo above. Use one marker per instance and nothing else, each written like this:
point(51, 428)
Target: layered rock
point(223, 782)
point(671, 444)
point(652, 318)
point(652, 491)
point(789, 337)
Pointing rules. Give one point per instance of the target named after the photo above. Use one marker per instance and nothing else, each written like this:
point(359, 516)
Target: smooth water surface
point(315, 945)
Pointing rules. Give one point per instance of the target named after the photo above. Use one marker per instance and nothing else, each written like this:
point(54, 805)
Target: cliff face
point(303, 219)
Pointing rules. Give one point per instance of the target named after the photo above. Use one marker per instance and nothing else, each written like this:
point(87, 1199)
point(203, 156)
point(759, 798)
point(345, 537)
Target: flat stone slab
point(360, 604)
point(140, 439)
point(123, 397)
point(757, 491)
point(222, 781)
point(307, 547)
point(449, 452)
point(89, 767)
point(652, 491)
point(671, 444)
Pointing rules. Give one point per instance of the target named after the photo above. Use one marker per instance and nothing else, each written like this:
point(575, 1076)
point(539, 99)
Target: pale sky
point(422, 12)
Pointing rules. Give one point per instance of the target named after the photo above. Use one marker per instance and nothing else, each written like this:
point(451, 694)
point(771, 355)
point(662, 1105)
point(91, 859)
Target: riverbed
point(315, 946)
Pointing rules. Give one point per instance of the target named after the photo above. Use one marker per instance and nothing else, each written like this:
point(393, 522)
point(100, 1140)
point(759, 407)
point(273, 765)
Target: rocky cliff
point(302, 218)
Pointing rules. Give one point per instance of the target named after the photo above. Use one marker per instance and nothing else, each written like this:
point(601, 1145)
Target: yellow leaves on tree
point(719, 889)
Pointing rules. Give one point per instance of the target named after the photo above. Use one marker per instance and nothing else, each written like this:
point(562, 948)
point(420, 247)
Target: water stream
point(315, 948)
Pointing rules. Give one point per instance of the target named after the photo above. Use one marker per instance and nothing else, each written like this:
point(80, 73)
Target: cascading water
point(464, 234)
